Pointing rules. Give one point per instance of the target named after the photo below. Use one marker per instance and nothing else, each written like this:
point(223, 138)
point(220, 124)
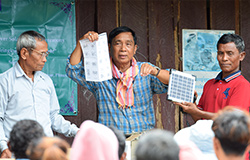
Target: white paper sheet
point(96, 59)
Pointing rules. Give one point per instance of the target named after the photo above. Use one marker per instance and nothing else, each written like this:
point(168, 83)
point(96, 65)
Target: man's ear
point(135, 49)
point(242, 55)
point(109, 47)
point(216, 143)
point(23, 53)
point(8, 144)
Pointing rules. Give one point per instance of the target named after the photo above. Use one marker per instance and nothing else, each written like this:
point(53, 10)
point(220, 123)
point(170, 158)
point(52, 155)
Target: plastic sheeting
point(55, 19)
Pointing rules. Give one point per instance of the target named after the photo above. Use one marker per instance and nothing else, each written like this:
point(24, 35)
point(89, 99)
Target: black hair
point(22, 133)
point(119, 30)
point(236, 39)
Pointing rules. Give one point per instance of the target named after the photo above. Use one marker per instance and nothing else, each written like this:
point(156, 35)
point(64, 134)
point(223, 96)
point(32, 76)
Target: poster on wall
point(55, 19)
point(199, 48)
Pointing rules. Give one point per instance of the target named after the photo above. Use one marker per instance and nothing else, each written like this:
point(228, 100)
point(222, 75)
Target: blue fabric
point(134, 119)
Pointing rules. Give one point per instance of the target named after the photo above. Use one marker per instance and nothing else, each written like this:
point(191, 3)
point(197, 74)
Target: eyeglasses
point(43, 54)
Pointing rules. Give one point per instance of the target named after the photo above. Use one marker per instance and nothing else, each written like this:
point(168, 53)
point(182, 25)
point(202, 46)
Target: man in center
point(126, 100)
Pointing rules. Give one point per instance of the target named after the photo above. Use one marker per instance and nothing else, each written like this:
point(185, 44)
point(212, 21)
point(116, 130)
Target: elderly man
point(229, 87)
point(125, 101)
point(28, 93)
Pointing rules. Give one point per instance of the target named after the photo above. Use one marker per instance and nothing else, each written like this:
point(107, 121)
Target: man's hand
point(162, 75)
point(91, 35)
point(147, 69)
point(76, 55)
point(6, 153)
point(195, 112)
point(189, 108)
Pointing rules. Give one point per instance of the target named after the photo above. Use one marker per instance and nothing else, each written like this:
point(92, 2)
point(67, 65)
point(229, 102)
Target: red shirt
point(233, 90)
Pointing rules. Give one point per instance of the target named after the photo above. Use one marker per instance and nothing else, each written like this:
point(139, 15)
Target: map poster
point(199, 49)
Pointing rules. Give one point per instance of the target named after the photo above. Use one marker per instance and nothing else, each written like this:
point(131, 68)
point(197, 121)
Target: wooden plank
point(160, 33)
point(192, 15)
point(222, 17)
point(106, 15)
point(244, 32)
point(134, 15)
point(161, 53)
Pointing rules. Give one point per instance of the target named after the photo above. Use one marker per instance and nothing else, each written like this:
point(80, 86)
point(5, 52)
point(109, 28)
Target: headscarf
point(94, 141)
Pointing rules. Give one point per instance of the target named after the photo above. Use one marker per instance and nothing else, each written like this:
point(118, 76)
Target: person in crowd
point(48, 148)
point(125, 101)
point(122, 142)
point(22, 133)
point(229, 87)
point(231, 128)
point(157, 144)
point(199, 135)
point(189, 151)
point(94, 141)
point(28, 93)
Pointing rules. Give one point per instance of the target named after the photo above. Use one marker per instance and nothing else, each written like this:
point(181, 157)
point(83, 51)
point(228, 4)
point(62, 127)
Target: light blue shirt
point(21, 98)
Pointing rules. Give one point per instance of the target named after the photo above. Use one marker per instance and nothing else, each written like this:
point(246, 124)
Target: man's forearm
point(202, 115)
point(163, 76)
point(76, 55)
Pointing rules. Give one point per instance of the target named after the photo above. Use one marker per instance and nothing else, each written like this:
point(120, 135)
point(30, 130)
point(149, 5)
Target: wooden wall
point(158, 25)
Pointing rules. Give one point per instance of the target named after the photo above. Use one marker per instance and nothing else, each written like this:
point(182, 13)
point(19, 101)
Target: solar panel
point(181, 86)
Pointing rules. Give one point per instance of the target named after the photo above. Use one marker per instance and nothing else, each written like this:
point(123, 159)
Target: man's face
point(229, 58)
point(35, 61)
point(123, 49)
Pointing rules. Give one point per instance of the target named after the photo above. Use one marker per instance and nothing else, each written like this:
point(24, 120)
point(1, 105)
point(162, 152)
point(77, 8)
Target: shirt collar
point(230, 77)
point(19, 72)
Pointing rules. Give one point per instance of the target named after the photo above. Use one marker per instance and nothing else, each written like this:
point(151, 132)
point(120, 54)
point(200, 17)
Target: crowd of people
point(29, 108)
point(225, 137)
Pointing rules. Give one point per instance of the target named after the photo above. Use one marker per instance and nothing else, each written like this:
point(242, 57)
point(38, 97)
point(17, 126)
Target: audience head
point(232, 132)
point(48, 148)
point(94, 141)
point(122, 142)
point(22, 133)
point(189, 151)
point(157, 144)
